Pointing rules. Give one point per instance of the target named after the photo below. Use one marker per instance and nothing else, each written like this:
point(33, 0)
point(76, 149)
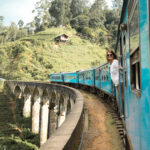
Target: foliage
point(78, 7)
point(43, 19)
point(35, 57)
point(80, 22)
point(15, 133)
point(94, 22)
point(60, 10)
point(16, 144)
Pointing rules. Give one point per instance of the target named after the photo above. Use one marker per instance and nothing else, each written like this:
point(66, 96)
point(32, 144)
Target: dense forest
point(30, 50)
point(80, 14)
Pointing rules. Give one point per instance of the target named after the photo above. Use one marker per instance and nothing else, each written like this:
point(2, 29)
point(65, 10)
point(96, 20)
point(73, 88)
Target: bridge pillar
point(27, 106)
point(36, 114)
point(44, 121)
point(62, 118)
point(62, 111)
point(53, 118)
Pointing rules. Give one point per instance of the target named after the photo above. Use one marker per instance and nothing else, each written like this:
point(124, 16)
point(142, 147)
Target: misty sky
point(14, 10)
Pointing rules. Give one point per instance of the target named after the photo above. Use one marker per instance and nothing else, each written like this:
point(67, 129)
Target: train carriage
point(56, 77)
point(87, 77)
point(134, 55)
point(106, 84)
point(71, 77)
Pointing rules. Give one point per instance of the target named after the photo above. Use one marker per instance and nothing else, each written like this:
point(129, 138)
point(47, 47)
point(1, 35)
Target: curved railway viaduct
point(56, 113)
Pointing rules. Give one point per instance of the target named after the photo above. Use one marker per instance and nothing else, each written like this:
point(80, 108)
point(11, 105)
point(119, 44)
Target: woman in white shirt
point(114, 68)
point(114, 73)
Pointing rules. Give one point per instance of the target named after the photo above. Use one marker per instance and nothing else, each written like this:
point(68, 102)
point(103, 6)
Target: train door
point(122, 72)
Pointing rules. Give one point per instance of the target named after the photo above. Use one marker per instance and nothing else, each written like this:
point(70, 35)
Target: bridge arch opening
point(18, 92)
point(27, 103)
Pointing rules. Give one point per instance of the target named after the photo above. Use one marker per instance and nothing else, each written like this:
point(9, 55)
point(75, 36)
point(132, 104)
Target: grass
point(15, 132)
point(35, 57)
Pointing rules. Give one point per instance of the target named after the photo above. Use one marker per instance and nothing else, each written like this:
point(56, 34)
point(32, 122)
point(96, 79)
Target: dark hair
point(114, 54)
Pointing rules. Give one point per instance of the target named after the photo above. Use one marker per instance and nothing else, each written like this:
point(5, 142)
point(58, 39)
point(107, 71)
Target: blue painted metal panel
point(137, 108)
point(71, 77)
point(88, 77)
point(106, 84)
point(145, 74)
point(81, 77)
point(56, 77)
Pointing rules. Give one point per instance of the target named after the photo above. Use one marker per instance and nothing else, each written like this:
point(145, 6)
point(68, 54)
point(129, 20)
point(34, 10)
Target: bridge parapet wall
point(56, 113)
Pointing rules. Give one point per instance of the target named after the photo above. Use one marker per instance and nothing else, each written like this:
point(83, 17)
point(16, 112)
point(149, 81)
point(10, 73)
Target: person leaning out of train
point(114, 68)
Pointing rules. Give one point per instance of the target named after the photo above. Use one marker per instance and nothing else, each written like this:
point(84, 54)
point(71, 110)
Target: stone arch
point(36, 104)
point(45, 97)
point(27, 91)
point(18, 92)
point(53, 102)
point(27, 102)
point(36, 94)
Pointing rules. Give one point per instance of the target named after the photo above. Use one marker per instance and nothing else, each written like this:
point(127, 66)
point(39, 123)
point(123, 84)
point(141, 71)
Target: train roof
point(102, 65)
point(69, 72)
point(87, 70)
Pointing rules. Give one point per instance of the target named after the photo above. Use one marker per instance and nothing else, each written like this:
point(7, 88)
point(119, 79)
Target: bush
point(87, 32)
point(80, 22)
point(94, 23)
point(16, 144)
point(102, 38)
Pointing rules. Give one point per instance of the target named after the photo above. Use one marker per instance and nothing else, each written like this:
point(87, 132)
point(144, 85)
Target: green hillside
point(35, 57)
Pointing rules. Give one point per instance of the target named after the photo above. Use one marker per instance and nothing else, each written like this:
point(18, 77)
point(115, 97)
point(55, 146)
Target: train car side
point(134, 55)
point(71, 78)
point(56, 77)
point(87, 78)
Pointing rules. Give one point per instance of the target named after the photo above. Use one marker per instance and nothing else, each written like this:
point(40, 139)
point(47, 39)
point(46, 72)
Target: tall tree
point(11, 33)
point(42, 18)
point(97, 13)
point(78, 7)
point(20, 23)
point(1, 22)
point(117, 5)
point(60, 10)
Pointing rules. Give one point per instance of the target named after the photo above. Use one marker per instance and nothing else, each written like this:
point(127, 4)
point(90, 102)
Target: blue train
point(133, 50)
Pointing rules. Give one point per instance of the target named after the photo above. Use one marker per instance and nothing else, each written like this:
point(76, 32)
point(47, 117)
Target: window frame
point(135, 4)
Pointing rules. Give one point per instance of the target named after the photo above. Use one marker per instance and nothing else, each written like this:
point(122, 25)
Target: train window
point(135, 78)
point(104, 78)
point(89, 75)
point(97, 75)
point(134, 29)
point(134, 47)
point(107, 78)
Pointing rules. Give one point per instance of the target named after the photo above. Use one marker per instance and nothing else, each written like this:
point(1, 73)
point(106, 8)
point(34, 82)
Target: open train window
point(97, 74)
point(135, 68)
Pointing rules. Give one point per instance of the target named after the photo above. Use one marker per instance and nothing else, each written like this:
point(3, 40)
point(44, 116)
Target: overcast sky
point(14, 10)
